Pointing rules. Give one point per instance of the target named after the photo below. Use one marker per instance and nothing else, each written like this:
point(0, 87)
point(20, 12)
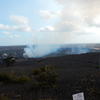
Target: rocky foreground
point(76, 73)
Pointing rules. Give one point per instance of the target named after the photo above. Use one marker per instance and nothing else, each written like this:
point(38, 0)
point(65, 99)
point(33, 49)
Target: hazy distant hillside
point(12, 50)
point(63, 50)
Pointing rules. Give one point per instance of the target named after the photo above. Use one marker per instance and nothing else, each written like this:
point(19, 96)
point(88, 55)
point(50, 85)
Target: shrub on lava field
point(97, 67)
point(47, 79)
point(21, 79)
point(47, 68)
point(36, 71)
point(9, 61)
point(44, 77)
point(6, 78)
point(40, 70)
point(10, 78)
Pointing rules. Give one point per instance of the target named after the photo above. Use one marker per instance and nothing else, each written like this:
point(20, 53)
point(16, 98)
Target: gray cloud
point(14, 36)
point(47, 29)
point(78, 15)
point(22, 28)
point(2, 26)
point(5, 32)
point(79, 22)
point(16, 19)
point(47, 15)
point(66, 26)
point(78, 19)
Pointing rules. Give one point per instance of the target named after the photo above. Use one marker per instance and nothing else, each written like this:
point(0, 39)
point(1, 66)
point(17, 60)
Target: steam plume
point(35, 51)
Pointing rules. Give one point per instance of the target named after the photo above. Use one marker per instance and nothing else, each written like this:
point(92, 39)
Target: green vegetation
point(45, 77)
point(97, 67)
point(42, 78)
point(11, 78)
point(47, 68)
point(6, 78)
point(36, 71)
point(21, 79)
point(9, 61)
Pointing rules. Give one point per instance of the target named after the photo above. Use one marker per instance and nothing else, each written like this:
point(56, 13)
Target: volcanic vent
point(36, 51)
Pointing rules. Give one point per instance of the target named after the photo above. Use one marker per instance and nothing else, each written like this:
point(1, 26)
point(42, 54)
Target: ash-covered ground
point(77, 72)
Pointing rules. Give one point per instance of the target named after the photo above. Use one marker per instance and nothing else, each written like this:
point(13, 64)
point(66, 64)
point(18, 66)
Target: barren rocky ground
point(76, 73)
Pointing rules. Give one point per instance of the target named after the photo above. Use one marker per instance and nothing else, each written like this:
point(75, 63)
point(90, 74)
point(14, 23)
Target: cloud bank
point(16, 19)
point(79, 14)
point(79, 22)
point(5, 32)
point(47, 29)
point(21, 28)
point(47, 15)
point(14, 36)
point(20, 24)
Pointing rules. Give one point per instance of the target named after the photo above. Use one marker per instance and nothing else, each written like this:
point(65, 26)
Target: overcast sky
point(24, 22)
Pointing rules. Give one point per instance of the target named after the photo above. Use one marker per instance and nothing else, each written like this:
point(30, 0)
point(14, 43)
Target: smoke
point(74, 49)
point(78, 50)
point(36, 51)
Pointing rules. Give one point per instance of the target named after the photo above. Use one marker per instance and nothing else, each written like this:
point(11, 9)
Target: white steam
point(35, 51)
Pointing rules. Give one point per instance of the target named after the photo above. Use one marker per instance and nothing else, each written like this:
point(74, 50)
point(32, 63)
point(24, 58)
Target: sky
point(28, 22)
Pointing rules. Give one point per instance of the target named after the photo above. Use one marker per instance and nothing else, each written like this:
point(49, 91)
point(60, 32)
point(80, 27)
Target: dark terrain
point(76, 73)
point(12, 50)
